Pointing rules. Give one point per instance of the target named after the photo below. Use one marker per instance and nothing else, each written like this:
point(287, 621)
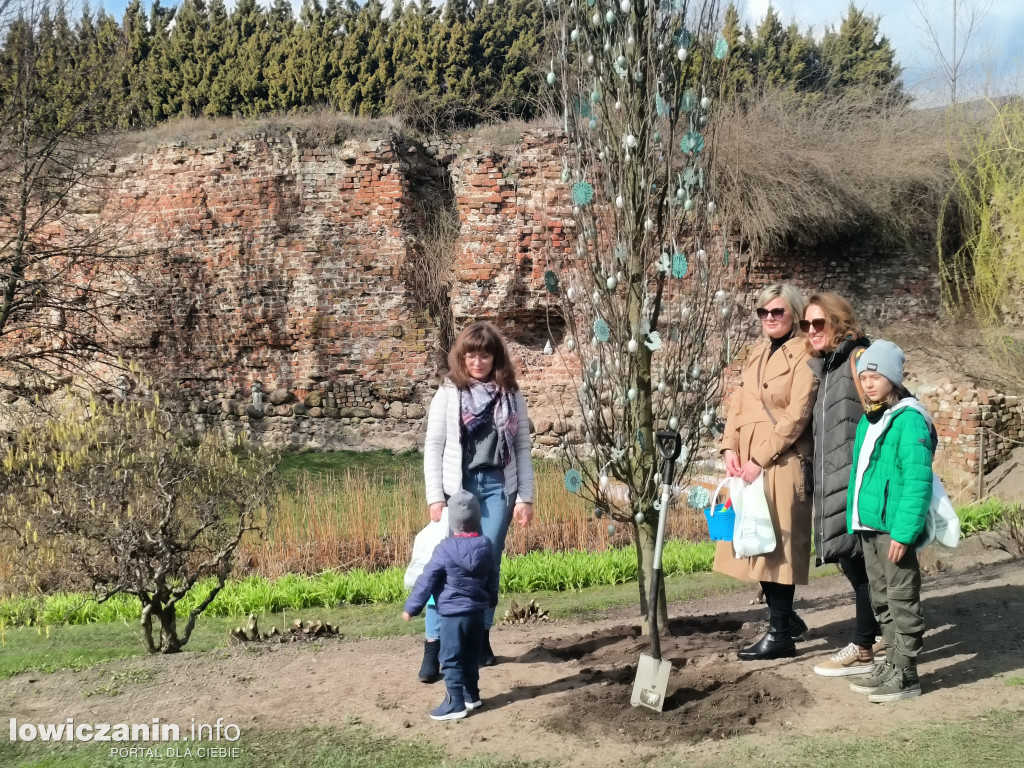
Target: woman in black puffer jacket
point(832, 329)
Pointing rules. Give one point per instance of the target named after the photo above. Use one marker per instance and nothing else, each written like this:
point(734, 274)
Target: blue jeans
point(461, 639)
point(495, 516)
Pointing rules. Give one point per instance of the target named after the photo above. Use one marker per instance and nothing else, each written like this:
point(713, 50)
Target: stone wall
point(276, 261)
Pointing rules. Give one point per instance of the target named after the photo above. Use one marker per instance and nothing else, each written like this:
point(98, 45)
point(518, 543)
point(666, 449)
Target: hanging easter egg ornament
point(632, 346)
point(653, 342)
point(706, 418)
point(619, 202)
point(573, 481)
point(639, 517)
point(592, 124)
point(679, 265)
point(574, 35)
point(611, 282)
point(611, 529)
point(712, 207)
point(598, 513)
point(570, 344)
point(692, 142)
point(631, 394)
point(551, 78)
point(590, 59)
point(609, 18)
point(721, 48)
point(688, 205)
point(551, 282)
point(681, 54)
point(662, 387)
point(673, 423)
point(625, 6)
point(601, 330)
point(596, 19)
point(721, 296)
point(698, 497)
point(705, 103)
point(582, 193)
point(602, 482)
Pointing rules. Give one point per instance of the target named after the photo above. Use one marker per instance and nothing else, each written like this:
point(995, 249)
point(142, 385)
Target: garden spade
point(652, 671)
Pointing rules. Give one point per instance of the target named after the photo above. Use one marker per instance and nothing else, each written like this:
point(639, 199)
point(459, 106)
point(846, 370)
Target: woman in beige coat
point(768, 429)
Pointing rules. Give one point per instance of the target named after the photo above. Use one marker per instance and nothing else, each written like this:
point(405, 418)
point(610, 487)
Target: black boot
point(797, 626)
point(430, 669)
point(487, 657)
point(777, 643)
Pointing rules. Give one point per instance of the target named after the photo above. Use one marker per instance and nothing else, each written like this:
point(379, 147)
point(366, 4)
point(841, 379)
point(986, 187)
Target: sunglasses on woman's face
point(777, 313)
point(818, 324)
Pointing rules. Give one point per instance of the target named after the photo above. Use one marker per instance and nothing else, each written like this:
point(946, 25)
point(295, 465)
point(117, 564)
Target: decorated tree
point(640, 295)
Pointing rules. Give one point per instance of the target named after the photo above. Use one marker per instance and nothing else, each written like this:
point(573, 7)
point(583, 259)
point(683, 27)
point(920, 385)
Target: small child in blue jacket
point(464, 583)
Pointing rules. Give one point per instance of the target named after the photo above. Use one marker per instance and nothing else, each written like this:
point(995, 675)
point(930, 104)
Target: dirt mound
point(1007, 480)
point(709, 696)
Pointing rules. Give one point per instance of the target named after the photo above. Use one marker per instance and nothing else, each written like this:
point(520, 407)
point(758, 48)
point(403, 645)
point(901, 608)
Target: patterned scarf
point(484, 403)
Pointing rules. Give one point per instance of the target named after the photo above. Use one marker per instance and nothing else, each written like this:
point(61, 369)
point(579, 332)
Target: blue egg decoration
point(582, 193)
point(679, 265)
point(698, 497)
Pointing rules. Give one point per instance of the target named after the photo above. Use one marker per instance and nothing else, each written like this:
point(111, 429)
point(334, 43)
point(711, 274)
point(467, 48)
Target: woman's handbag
point(941, 524)
point(754, 533)
point(423, 547)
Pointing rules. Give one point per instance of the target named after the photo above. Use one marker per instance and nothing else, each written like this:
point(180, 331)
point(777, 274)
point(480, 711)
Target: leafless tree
point(951, 28)
point(63, 254)
point(640, 295)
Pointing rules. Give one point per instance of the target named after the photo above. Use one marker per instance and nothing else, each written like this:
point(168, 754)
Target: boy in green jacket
point(889, 495)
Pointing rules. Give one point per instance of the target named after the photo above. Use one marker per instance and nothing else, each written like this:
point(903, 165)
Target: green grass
point(983, 516)
point(350, 746)
point(78, 647)
point(993, 739)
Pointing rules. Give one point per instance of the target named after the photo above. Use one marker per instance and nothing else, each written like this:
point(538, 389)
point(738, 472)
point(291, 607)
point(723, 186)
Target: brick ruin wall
point(288, 266)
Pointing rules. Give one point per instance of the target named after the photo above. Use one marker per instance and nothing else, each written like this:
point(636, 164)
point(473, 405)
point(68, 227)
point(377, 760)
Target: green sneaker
point(879, 675)
point(902, 684)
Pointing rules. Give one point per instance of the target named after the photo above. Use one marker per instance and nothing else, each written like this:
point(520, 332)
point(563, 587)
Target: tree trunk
point(646, 534)
point(169, 642)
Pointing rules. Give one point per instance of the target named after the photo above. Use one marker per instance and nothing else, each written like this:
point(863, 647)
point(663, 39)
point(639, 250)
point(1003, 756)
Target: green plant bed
point(554, 571)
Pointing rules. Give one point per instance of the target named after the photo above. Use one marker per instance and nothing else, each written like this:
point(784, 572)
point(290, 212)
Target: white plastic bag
point(423, 547)
point(941, 524)
point(754, 533)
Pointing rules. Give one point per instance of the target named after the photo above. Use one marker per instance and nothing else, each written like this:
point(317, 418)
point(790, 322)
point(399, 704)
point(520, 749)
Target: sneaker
point(851, 660)
point(448, 709)
point(902, 684)
point(472, 700)
point(882, 671)
point(878, 649)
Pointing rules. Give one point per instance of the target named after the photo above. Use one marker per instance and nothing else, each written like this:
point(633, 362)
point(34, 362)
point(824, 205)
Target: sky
point(996, 52)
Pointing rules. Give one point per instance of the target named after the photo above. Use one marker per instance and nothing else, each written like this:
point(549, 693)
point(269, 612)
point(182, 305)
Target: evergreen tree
point(858, 55)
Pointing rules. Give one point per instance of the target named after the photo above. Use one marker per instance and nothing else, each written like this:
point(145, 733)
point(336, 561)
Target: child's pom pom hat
point(885, 358)
point(464, 513)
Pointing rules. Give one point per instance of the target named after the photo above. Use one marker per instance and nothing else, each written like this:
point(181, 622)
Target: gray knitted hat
point(885, 358)
point(464, 513)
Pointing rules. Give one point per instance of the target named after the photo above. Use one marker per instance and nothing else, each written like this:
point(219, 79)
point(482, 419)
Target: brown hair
point(840, 315)
point(481, 336)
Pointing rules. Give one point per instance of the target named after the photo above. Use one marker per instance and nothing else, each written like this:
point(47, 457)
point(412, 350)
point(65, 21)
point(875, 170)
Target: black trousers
point(865, 627)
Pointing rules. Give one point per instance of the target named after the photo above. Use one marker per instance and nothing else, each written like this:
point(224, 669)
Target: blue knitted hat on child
point(885, 358)
point(464, 513)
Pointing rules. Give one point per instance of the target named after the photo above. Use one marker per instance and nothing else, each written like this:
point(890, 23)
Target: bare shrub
point(808, 173)
point(133, 506)
point(323, 126)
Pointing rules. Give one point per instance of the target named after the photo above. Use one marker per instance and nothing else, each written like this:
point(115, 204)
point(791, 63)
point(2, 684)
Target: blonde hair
point(791, 297)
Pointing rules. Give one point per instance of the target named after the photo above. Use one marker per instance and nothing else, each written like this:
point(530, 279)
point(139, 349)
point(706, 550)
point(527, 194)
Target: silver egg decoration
point(681, 54)
point(632, 346)
point(662, 386)
point(656, 137)
point(620, 61)
point(607, 46)
point(619, 202)
point(631, 394)
point(705, 103)
point(712, 207)
point(611, 529)
point(596, 296)
point(688, 205)
point(596, 18)
point(570, 294)
point(680, 193)
point(600, 155)
point(611, 282)
point(703, 120)
point(551, 78)
point(570, 344)
point(725, 311)
point(574, 35)
point(592, 123)
point(657, 478)
point(639, 517)
point(609, 18)
point(590, 59)
point(603, 481)
point(695, 372)
point(702, 255)
point(598, 513)
point(673, 423)
point(618, 105)
point(721, 296)
point(630, 140)
point(648, 225)
point(706, 418)
point(625, 6)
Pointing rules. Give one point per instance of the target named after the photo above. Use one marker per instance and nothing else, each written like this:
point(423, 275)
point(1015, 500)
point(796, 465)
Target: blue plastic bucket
point(721, 521)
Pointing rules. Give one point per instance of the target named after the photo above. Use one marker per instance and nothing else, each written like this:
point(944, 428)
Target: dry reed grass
point(809, 173)
point(360, 519)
